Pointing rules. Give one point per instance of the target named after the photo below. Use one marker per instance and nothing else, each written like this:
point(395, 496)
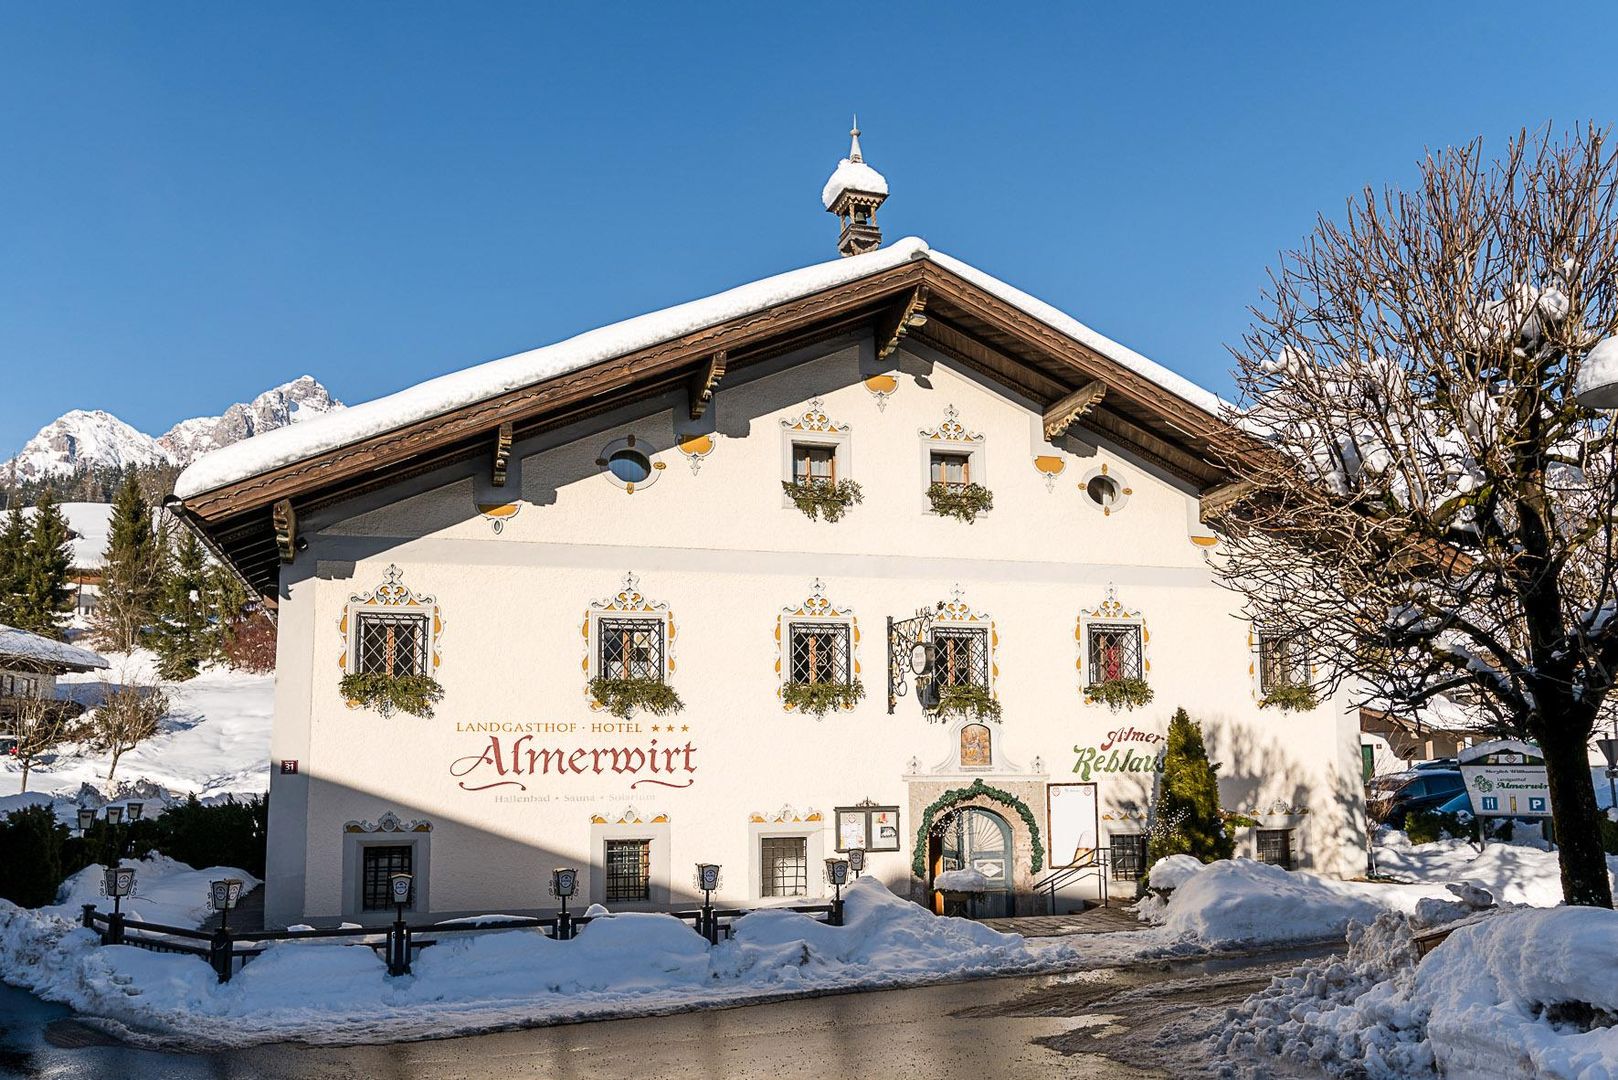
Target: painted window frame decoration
point(628, 603)
point(392, 598)
point(654, 468)
point(1110, 612)
point(815, 610)
point(1120, 486)
point(388, 830)
point(814, 429)
point(876, 826)
point(956, 614)
point(951, 436)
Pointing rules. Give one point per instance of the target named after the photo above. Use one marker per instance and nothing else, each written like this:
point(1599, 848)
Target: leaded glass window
point(391, 643)
point(785, 862)
point(629, 870)
point(1114, 652)
point(961, 656)
point(820, 653)
point(630, 649)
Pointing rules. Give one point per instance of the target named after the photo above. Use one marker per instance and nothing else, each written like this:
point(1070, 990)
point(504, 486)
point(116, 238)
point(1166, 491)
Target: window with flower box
point(630, 648)
point(1114, 651)
point(390, 643)
point(961, 656)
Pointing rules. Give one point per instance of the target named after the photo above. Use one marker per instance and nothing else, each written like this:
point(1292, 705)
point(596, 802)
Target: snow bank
point(1243, 902)
point(969, 881)
point(166, 892)
point(1523, 872)
point(1174, 871)
point(1520, 994)
point(619, 965)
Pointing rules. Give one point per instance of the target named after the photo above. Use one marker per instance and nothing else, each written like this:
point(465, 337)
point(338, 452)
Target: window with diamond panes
point(630, 648)
point(1128, 856)
point(1282, 661)
point(629, 870)
point(1114, 652)
point(786, 866)
point(1275, 847)
point(816, 463)
point(391, 644)
point(961, 656)
point(378, 865)
point(820, 653)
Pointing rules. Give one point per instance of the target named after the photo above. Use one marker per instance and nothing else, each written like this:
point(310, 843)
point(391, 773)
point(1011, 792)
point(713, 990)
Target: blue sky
point(202, 200)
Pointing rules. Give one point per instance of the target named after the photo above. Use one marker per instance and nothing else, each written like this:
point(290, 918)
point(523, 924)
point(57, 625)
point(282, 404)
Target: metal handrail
point(1060, 876)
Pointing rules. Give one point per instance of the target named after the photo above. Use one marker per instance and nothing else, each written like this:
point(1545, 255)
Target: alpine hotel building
point(878, 553)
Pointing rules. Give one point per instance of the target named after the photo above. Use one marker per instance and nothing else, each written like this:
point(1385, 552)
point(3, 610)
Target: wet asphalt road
point(1090, 1025)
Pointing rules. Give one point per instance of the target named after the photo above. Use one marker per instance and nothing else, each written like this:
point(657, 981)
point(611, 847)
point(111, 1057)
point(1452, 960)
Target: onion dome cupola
point(853, 193)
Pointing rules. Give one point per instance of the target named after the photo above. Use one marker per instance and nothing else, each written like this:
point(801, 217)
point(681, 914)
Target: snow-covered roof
point(20, 644)
point(435, 397)
point(852, 176)
point(90, 523)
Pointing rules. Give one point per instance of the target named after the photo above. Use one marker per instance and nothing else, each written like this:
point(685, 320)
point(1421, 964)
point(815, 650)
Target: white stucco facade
point(510, 577)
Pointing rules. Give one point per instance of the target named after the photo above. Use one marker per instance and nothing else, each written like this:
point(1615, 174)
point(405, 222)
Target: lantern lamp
point(87, 818)
point(136, 810)
point(856, 860)
point(837, 872)
point(118, 882)
point(115, 815)
point(707, 877)
point(564, 880)
point(399, 885)
point(224, 893)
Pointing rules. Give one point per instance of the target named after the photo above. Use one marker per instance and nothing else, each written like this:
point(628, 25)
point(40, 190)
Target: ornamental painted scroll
point(814, 609)
point(882, 387)
point(951, 430)
point(389, 822)
point(392, 596)
point(697, 448)
point(814, 421)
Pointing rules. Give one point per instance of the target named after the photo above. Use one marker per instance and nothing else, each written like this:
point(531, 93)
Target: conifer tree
point(225, 600)
point(184, 640)
point(13, 546)
point(130, 584)
point(41, 575)
point(1188, 799)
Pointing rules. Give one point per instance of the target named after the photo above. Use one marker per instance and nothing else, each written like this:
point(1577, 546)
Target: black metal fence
point(398, 943)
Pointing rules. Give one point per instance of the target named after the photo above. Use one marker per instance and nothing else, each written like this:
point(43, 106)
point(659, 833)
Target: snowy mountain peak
point(96, 437)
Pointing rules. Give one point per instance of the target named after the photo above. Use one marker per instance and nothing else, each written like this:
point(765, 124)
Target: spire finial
point(854, 135)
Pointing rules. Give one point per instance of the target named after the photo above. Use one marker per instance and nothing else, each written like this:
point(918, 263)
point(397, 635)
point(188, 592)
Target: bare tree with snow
point(127, 716)
point(1434, 511)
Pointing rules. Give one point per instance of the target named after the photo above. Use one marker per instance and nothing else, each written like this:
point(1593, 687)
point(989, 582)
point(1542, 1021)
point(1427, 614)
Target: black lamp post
point(707, 879)
point(115, 815)
point(118, 882)
point(87, 819)
point(223, 894)
point(837, 876)
point(400, 885)
point(136, 809)
point(564, 880)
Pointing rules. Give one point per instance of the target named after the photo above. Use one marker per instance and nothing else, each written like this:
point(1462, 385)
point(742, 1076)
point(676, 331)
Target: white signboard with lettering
point(1506, 778)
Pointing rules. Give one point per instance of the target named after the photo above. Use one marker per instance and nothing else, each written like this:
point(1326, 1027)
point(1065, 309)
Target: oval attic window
point(1103, 491)
point(630, 465)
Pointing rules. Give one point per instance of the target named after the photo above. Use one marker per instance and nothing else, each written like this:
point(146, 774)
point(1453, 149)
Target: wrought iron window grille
point(1275, 847)
point(1115, 651)
point(821, 653)
point(629, 870)
point(630, 649)
point(1128, 857)
point(1282, 661)
point(961, 656)
point(376, 893)
point(389, 643)
point(785, 861)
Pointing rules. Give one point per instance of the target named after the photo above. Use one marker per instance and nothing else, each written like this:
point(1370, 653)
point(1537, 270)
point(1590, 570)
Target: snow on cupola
point(853, 193)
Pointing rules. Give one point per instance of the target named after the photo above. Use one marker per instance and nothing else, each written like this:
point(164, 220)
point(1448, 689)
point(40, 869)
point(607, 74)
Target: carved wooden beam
point(1223, 497)
point(706, 382)
point(1061, 415)
point(905, 317)
point(502, 454)
point(285, 520)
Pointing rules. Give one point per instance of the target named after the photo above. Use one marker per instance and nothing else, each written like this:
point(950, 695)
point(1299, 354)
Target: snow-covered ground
point(215, 740)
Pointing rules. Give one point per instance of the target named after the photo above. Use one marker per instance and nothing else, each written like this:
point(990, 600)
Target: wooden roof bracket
point(285, 520)
point(1064, 413)
point(900, 320)
point(502, 455)
point(1223, 497)
point(705, 382)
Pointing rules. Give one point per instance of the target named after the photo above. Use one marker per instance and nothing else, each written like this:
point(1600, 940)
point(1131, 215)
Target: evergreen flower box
point(968, 700)
point(622, 697)
point(388, 694)
point(1290, 697)
point(817, 497)
point(1124, 693)
point(819, 698)
point(963, 502)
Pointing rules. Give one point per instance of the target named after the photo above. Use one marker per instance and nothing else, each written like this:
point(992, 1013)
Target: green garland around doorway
point(960, 795)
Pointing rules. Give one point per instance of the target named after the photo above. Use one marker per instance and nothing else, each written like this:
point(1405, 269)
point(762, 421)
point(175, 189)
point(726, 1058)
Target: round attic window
point(626, 464)
point(1104, 491)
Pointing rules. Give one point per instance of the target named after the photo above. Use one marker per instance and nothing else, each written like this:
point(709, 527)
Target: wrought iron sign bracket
point(909, 640)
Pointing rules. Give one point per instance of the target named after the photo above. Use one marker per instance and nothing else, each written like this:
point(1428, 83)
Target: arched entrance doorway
point(973, 838)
